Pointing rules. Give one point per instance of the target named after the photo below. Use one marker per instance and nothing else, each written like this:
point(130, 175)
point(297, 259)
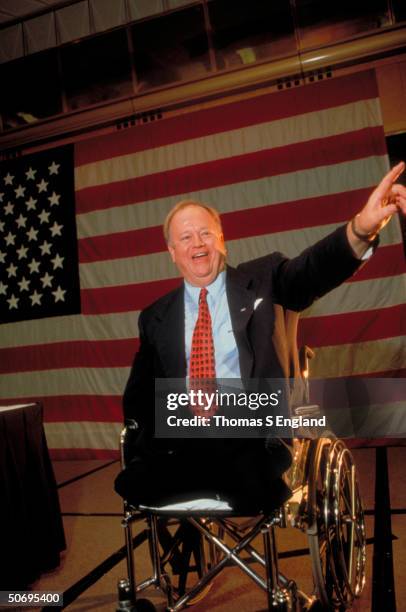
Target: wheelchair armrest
point(308, 410)
point(127, 437)
point(305, 354)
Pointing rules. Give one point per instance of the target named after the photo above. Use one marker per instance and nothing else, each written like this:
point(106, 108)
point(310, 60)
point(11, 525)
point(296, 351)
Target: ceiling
point(16, 9)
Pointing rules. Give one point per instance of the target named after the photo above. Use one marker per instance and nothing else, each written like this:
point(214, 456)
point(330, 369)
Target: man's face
point(196, 245)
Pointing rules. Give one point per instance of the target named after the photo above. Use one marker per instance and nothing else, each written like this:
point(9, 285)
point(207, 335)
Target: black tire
point(144, 605)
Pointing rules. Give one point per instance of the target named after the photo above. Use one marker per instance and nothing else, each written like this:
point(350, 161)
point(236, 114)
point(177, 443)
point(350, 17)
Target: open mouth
point(200, 255)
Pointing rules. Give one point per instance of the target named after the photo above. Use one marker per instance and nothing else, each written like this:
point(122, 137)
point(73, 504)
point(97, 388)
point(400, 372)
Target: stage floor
point(92, 565)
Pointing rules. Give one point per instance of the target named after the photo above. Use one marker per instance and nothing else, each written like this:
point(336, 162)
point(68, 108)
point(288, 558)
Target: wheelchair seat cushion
point(193, 505)
point(212, 506)
point(242, 473)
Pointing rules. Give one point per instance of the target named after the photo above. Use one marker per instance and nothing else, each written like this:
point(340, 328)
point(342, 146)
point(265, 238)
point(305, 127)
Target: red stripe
point(388, 261)
point(315, 331)
point(288, 216)
point(73, 354)
point(353, 327)
point(383, 374)
point(64, 454)
point(323, 210)
point(374, 442)
point(122, 244)
point(246, 167)
point(360, 393)
point(233, 116)
point(125, 298)
point(66, 408)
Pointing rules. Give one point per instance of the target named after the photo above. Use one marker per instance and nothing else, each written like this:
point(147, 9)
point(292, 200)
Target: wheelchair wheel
point(126, 601)
point(144, 605)
point(336, 525)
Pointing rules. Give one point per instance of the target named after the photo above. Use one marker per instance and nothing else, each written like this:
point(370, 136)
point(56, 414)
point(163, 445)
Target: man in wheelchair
point(225, 323)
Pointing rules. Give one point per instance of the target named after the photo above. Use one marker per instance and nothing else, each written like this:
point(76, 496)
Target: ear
point(222, 249)
point(172, 253)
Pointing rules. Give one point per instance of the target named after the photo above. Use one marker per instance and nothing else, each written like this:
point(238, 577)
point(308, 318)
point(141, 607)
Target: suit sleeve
point(297, 282)
point(139, 391)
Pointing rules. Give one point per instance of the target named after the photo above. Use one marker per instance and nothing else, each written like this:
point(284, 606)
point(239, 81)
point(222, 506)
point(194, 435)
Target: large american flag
point(284, 169)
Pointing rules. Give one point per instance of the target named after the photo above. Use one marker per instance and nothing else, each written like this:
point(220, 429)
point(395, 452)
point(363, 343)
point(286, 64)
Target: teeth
point(199, 255)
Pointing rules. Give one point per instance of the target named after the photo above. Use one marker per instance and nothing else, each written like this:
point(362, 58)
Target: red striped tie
point(202, 367)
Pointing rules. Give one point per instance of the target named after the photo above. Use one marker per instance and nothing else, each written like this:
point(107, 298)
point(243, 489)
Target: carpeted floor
point(93, 561)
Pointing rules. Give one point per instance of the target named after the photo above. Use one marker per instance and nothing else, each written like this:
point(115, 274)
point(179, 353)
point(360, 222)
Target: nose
point(197, 240)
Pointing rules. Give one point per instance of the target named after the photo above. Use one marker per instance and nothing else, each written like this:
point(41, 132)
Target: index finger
point(389, 178)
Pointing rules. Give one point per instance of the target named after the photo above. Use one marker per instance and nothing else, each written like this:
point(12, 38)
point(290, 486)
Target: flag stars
point(24, 284)
point(32, 247)
point(8, 210)
point(57, 261)
point(44, 216)
point(45, 248)
point(54, 199)
point(56, 230)
point(20, 191)
point(30, 174)
point(21, 221)
point(30, 204)
point(22, 252)
point(54, 168)
point(13, 302)
point(35, 298)
point(11, 270)
point(34, 266)
point(3, 289)
point(10, 238)
point(46, 280)
point(59, 294)
point(32, 234)
point(42, 186)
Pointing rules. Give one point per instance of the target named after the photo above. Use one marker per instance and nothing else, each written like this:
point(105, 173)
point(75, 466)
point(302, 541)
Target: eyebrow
point(187, 231)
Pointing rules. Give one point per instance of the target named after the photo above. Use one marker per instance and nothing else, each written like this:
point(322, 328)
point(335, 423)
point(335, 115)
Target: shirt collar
point(215, 289)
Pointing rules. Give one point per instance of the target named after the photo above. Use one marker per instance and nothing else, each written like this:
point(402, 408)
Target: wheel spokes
point(340, 526)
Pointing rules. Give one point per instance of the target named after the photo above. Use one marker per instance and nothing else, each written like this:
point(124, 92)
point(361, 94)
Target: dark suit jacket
point(292, 283)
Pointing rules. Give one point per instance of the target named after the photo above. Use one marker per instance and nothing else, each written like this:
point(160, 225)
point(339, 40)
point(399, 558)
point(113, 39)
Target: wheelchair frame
point(325, 505)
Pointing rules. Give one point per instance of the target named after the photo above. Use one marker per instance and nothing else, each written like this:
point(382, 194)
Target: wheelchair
point(325, 505)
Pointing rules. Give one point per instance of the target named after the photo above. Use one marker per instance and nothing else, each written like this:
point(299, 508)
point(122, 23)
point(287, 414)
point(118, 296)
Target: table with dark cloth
point(31, 530)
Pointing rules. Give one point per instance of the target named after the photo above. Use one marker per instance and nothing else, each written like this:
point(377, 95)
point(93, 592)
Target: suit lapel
point(171, 337)
point(171, 328)
point(241, 304)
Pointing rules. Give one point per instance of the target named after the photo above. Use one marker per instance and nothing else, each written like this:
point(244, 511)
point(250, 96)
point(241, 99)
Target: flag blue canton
point(38, 243)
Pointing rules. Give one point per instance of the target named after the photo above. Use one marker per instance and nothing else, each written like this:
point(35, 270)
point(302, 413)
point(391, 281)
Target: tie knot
point(202, 295)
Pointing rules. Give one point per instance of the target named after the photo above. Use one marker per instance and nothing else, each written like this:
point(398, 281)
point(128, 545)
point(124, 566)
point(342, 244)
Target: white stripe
point(70, 328)
point(99, 435)
point(359, 358)
point(339, 360)
point(356, 296)
point(290, 187)
point(68, 381)
point(381, 420)
point(359, 296)
point(258, 137)
point(83, 434)
point(158, 266)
